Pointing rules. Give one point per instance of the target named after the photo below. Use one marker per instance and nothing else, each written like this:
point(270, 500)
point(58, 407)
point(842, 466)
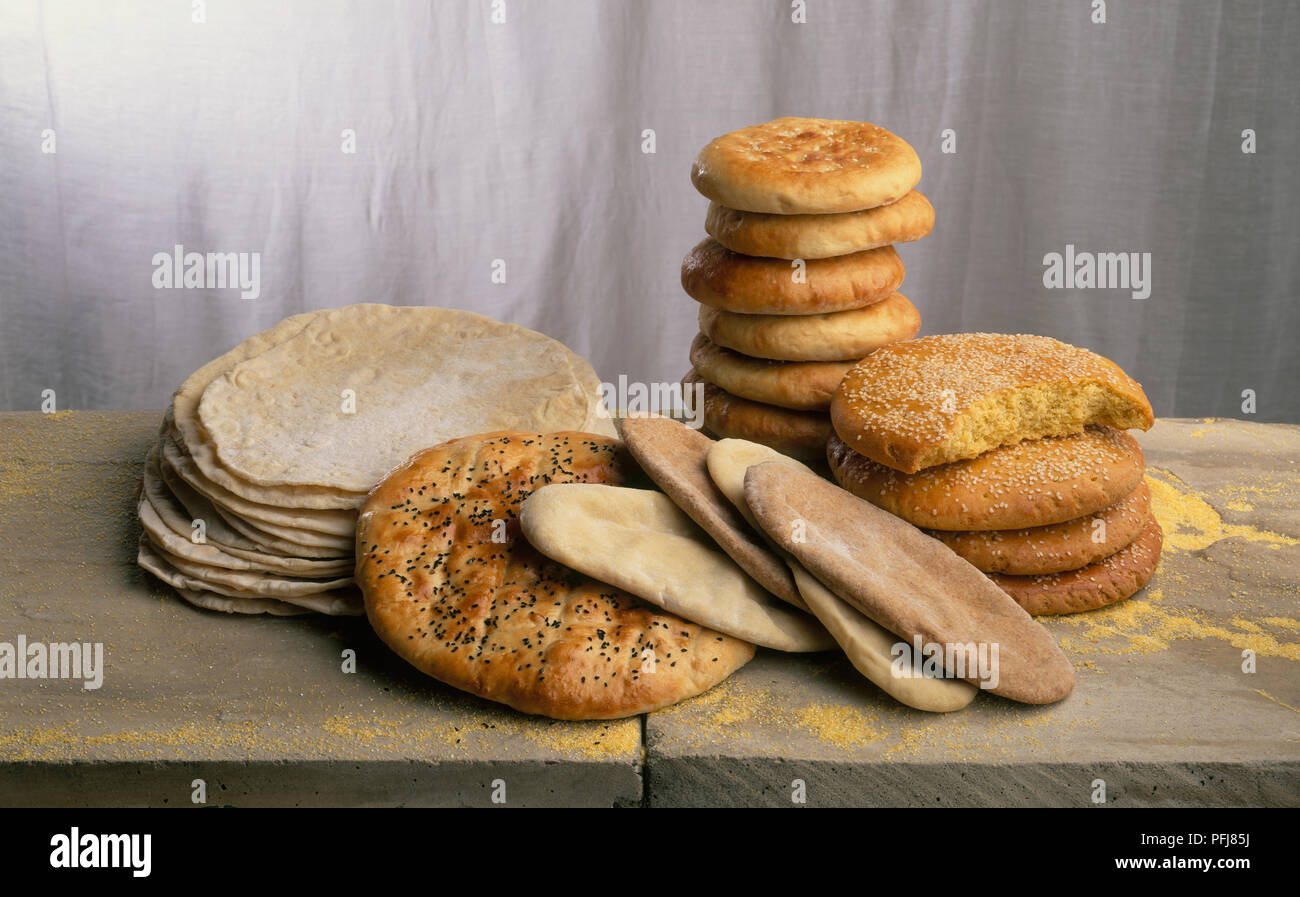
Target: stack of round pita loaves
point(798, 277)
point(250, 496)
point(1012, 451)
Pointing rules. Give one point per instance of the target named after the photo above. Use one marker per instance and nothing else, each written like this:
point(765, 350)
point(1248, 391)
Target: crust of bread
point(1105, 582)
point(820, 236)
point(714, 275)
point(835, 336)
point(806, 165)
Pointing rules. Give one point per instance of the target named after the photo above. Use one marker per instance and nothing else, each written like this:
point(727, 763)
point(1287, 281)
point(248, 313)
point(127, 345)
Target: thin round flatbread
point(345, 602)
point(183, 423)
point(194, 506)
point(360, 388)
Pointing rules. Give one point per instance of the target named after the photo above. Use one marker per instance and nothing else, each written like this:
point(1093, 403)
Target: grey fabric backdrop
point(522, 141)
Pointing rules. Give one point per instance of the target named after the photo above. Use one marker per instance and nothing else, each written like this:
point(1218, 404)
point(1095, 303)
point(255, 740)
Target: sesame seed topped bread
point(715, 276)
point(806, 165)
point(834, 336)
point(820, 236)
point(1054, 549)
point(1105, 582)
point(451, 586)
point(676, 458)
point(801, 385)
point(799, 434)
point(1034, 483)
point(908, 583)
point(953, 396)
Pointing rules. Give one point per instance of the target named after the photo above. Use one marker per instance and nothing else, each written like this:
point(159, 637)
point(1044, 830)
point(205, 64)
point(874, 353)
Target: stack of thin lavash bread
point(798, 277)
point(249, 498)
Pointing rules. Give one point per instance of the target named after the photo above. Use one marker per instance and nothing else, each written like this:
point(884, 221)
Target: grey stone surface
point(1162, 711)
point(260, 709)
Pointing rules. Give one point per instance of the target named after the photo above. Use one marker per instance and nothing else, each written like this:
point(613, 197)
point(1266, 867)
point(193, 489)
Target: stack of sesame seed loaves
point(1012, 451)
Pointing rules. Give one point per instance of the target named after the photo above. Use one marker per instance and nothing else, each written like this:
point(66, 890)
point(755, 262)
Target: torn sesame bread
point(451, 585)
point(1034, 483)
point(929, 401)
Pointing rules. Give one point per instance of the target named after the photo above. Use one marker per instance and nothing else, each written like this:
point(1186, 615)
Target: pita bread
point(835, 336)
point(867, 645)
point(799, 385)
point(820, 236)
point(279, 418)
point(640, 541)
point(869, 648)
point(676, 458)
point(908, 583)
point(452, 587)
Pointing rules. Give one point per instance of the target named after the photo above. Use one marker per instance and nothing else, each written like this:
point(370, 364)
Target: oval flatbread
point(908, 583)
point(640, 541)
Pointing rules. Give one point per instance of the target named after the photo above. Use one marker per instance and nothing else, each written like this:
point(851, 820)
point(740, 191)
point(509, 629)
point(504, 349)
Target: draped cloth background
point(522, 141)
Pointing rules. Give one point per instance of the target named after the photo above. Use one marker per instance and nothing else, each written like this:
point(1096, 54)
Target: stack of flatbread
point(798, 278)
point(249, 498)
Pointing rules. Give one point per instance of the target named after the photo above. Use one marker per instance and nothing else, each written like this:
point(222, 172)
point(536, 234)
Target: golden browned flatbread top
point(452, 586)
point(929, 401)
point(806, 166)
